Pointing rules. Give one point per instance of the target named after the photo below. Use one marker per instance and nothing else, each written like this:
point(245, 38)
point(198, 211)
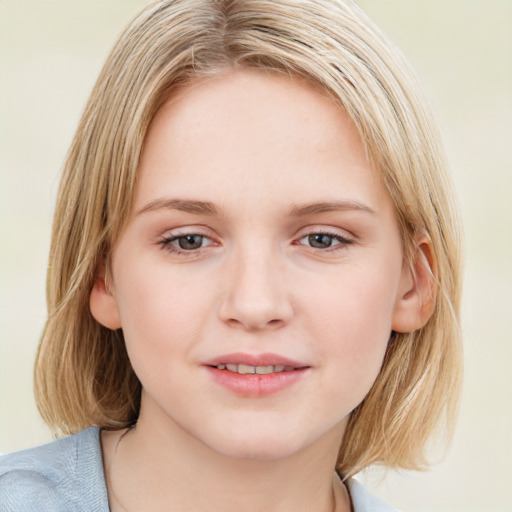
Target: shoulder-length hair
point(83, 375)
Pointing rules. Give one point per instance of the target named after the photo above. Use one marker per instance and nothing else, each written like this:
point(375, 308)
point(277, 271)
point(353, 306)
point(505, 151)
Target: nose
point(256, 297)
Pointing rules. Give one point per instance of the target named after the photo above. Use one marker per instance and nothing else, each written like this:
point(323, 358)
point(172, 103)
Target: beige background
point(50, 55)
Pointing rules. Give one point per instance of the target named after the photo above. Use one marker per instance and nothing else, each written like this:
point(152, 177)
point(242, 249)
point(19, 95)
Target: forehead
point(260, 134)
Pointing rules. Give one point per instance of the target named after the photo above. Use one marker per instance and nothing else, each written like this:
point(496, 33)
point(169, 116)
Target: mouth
point(247, 369)
point(261, 364)
point(256, 376)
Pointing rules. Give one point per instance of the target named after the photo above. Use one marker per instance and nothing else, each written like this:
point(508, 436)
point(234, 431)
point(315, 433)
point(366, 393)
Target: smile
point(246, 369)
point(256, 376)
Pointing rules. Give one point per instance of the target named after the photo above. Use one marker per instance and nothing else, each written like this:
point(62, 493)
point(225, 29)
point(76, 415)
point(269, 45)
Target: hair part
point(83, 375)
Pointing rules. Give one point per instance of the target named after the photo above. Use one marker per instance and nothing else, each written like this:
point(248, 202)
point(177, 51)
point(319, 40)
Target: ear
point(102, 303)
point(416, 297)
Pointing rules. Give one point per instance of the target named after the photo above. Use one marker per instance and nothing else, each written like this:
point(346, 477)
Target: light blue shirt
point(67, 476)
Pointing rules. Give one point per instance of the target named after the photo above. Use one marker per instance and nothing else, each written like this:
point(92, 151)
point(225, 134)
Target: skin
point(258, 148)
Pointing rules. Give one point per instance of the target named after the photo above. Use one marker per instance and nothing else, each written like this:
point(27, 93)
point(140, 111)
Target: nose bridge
point(257, 297)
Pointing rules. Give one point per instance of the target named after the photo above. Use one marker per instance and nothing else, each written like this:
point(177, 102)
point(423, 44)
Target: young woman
point(254, 277)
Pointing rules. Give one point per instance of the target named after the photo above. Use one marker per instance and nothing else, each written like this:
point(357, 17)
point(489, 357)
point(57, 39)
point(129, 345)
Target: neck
point(165, 468)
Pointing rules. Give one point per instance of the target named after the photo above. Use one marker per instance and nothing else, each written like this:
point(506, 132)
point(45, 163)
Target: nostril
point(255, 325)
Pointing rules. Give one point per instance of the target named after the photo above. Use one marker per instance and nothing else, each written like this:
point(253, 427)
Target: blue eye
point(324, 240)
point(321, 241)
point(187, 243)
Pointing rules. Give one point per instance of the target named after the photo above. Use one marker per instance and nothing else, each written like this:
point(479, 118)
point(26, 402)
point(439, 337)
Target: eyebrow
point(329, 206)
point(198, 207)
point(208, 208)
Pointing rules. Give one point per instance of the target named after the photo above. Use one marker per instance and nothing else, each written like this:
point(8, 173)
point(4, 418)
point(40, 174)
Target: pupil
point(320, 241)
point(190, 241)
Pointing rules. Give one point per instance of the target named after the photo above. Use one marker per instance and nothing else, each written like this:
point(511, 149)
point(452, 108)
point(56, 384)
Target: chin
point(257, 445)
point(269, 437)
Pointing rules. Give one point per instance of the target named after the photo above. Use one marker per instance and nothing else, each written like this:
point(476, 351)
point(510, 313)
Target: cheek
point(354, 303)
point(352, 325)
point(162, 317)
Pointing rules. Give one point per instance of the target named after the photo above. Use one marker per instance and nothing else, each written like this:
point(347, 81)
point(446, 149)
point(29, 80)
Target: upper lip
point(266, 359)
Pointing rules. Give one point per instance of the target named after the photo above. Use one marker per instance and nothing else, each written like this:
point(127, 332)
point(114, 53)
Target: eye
point(325, 240)
point(185, 243)
point(189, 242)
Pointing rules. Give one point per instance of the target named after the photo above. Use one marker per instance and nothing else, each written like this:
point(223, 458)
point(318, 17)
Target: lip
point(256, 385)
point(266, 359)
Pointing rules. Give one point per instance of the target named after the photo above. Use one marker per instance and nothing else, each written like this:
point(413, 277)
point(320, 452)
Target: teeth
point(264, 370)
point(245, 369)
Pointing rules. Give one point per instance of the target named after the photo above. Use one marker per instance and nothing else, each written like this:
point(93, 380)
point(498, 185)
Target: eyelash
point(342, 240)
point(167, 242)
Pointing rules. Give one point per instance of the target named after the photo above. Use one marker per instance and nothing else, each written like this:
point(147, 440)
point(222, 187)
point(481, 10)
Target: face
point(260, 274)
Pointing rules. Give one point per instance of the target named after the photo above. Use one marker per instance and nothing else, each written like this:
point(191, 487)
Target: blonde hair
point(83, 375)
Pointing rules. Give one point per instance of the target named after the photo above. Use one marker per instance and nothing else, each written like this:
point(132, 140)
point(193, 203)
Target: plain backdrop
point(50, 55)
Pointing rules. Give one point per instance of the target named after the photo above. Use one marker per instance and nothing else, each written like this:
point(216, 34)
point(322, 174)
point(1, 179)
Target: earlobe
point(102, 303)
point(417, 292)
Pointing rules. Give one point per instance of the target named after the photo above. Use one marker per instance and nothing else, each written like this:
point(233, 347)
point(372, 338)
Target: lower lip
point(253, 385)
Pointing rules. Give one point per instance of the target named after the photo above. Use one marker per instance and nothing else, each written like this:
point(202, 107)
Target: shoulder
point(363, 501)
point(65, 475)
